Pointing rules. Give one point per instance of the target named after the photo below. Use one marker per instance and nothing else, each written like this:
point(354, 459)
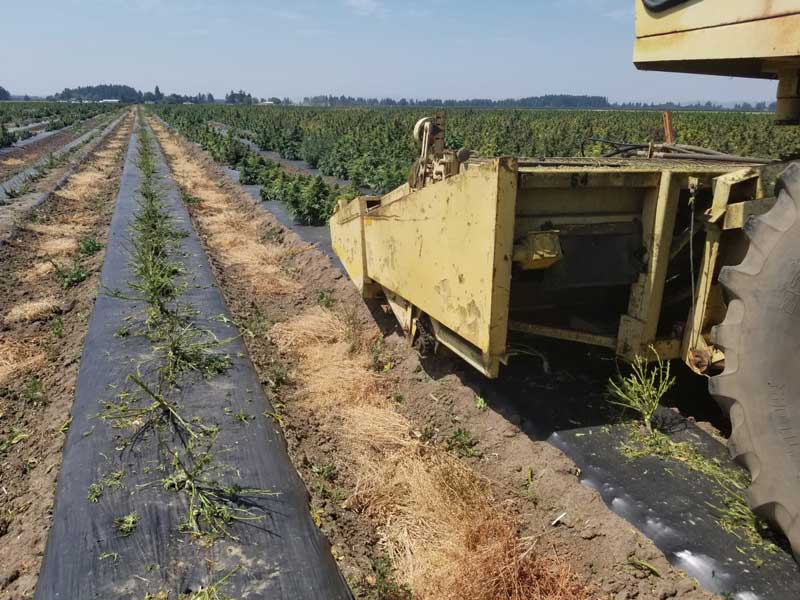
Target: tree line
point(128, 94)
point(547, 101)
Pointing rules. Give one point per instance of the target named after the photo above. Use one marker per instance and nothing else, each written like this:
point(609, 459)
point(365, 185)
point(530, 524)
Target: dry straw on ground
point(35, 310)
point(447, 537)
point(232, 230)
point(59, 246)
point(17, 359)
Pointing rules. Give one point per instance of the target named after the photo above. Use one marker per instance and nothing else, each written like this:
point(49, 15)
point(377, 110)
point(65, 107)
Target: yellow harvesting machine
point(582, 249)
point(662, 249)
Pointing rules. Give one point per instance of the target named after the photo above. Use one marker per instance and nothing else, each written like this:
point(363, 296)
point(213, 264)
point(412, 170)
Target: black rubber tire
point(760, 386)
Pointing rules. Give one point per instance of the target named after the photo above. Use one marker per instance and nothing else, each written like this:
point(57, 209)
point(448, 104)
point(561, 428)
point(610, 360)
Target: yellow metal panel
point(737, 214)
point(644, 310)
point(693, 340)
point(708, 13)
point(347, 239)
point(564, 334)
point(748, 43)
point(447, 249)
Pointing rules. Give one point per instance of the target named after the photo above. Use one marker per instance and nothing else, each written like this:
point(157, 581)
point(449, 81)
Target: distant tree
point(157, 95)
point(4, 94)
point(240, 97)
point(93, 93)
point(26, 98)
point(210, 98)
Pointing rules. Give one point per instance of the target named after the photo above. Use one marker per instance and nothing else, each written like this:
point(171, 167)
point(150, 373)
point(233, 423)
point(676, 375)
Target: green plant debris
point(382, 584)
point(189, 199)
point(462, 444)
point(212, 507)
point(277, 375)
point(316, 515)
point(480, 403)
point(214, 591)
point(57, 327)
point(126, 524)
point(643, 388)
point(150, 407)
point(94, 492)
point(89, 246)
point(113, 480)
point(735, 516)
point(112, 556)
point(240, 416)
point(326, 300)
point(257, 324)
point(17, 436)
point(529, 487)
point(327, 472)
point(273, 234)
point(189, 349)
point(279, 420)
point(129, 410)
point(644, 566)
point(33, 393)
point(20, 190)
point(71, 275)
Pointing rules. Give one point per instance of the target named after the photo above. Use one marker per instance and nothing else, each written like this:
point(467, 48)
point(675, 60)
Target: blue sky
point(436, 48)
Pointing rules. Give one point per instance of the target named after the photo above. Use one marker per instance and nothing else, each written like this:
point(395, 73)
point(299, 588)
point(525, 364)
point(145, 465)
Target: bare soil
point(419, 488)
point(42, 328)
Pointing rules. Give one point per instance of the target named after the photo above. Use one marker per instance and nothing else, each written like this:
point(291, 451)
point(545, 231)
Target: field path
point(23, 154)
point(42, 326)
point(137, 466)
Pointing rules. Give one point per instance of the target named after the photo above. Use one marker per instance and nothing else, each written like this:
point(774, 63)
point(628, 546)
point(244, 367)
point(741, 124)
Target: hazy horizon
point(369, 48)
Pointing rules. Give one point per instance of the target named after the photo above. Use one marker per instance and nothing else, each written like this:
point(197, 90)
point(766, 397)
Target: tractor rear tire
point(760, 385)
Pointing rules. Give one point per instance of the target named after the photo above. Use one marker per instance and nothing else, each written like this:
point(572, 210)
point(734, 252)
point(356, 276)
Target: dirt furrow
point(408, 509)
point(19, 159)
point(48, 282)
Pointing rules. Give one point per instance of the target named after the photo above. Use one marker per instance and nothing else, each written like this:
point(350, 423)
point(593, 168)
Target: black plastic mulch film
point(280, 554)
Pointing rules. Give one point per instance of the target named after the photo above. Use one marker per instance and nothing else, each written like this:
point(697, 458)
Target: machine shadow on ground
point(556, 392)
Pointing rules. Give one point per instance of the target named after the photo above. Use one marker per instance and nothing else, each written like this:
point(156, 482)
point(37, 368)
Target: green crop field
point(54, 115)
point(373, 147)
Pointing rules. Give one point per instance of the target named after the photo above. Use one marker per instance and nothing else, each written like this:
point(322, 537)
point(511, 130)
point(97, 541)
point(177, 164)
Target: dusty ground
point(42, 327)
point(407, 500)
point(22, 158)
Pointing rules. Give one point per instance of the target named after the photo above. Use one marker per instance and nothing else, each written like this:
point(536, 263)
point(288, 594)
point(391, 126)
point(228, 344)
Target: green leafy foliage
point(373, 147)
point(642, 389)
point(70, 275)
point(54, 114)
